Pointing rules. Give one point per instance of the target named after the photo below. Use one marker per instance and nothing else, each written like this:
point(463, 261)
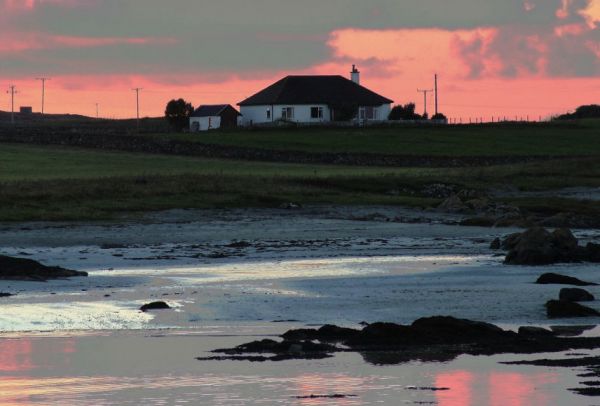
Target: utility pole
point(43, 80)
point(425, 96)
point(12, 93)
point(97, 111)
point(436, 94)
point(137, 101)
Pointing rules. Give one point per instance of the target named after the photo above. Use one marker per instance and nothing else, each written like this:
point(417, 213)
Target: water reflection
point(495, 389)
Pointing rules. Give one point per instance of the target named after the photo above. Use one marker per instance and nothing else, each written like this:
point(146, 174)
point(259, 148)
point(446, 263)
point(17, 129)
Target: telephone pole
point(137, 101)
point(12, 93)
point(43, 80)
point(425, 96)
point(436, 94)
point(97, 111)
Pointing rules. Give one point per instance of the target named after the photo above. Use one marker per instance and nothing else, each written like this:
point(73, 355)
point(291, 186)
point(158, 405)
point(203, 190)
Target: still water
point(159, 368)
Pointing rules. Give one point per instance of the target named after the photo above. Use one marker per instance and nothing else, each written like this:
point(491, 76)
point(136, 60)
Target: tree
point(406, 112)
point(582, 112)
point(178, 113)
point(439, 117)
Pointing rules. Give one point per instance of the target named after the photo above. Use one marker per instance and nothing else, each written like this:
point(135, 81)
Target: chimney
point(355, 75)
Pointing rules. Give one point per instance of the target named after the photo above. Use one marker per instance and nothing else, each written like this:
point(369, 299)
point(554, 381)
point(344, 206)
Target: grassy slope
point(51, 183)
point(506, 139)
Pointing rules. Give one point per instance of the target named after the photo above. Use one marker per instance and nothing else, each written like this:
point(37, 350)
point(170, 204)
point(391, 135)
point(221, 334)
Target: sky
point(494, 58)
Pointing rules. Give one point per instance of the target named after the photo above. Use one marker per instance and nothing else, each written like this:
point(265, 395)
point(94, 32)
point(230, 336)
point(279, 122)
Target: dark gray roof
point(211, 110)
point(330, 90)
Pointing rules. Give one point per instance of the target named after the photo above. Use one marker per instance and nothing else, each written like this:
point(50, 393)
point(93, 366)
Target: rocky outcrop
point(23, 269)
point(564, 309)
point(576, 295)
point(558, 279)
point(432, 338)
point(538, 246)
point(155, 306)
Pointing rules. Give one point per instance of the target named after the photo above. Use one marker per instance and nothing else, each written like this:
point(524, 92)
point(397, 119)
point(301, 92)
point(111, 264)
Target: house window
point(368, 113)
point(316, 112)
point(268, 114)
point(287, 113)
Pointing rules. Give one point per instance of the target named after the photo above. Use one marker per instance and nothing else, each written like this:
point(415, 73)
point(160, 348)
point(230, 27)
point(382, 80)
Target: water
point(159, 368)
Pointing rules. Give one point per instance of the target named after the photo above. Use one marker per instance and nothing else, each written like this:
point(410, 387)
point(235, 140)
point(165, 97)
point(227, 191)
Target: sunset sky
point(494, 57)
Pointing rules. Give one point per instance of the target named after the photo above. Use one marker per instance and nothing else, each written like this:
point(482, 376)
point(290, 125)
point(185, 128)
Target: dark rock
point(334, 396)
point(571, 331)
point(576, 295)
point(496, 244)
point(510, 241)
point(155, 306)
point(478, 222)
point(537, 246)
point(4, 294)
point(239, 244)
point(327, 333)
point(529, 331)
point(453, 204)
point(557, 279)
point(563, 308)
point(111, 246)
point(23, 269)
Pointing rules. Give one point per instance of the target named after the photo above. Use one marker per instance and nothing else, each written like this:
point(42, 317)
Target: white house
point(211, 117)
point(315, 99)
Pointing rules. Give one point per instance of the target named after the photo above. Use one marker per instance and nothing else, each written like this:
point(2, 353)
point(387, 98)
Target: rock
point(239, 244)
point(563, 308)
point(453, 204)
point(438, 191)
point(557, 279)
point(155, 306)
point(478, 222)
point(496, 244)
point(327, 333)
point(23, 269)
point(478, 204)
point(510, 241)
point(576, 295)
point(4, 294)
point(592, 253)
point(537, 246)
point(529, 331)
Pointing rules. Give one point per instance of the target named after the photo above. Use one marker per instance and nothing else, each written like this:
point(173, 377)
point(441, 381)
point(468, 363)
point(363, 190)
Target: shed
point(210, 117)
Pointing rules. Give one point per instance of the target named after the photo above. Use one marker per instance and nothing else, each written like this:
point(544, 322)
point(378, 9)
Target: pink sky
point(486, 68)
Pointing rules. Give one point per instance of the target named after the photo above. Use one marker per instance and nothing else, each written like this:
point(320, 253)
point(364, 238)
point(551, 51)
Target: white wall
point(302, 113)
point(205, 123)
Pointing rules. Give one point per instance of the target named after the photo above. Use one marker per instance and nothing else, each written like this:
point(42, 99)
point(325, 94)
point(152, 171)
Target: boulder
point(4, 294)
point(155, 306)
point(453, 204)
point(538, 246)
point(576, 295)
point(563, 308)
point(529, 331)
point(557, 279)
point(496, 244)
point(23, 269)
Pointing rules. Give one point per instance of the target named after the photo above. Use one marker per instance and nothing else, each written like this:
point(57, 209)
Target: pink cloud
point(13, 42)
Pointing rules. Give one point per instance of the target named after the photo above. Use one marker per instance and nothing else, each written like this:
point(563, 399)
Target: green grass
point(54, 183)
point(560, 139)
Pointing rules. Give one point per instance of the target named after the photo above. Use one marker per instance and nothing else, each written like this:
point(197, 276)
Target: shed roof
point(211, 110)
point(330, 90)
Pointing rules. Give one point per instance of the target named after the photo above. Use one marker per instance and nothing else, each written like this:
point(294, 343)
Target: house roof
point(211, 110)
point(330, 90)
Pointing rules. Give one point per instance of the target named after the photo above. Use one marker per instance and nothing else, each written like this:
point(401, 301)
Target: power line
point(425, 96)
point(12, 93)
point(43, 80)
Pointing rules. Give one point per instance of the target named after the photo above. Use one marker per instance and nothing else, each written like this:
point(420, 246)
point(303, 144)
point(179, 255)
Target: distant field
point(559, 139)
point(54, 183)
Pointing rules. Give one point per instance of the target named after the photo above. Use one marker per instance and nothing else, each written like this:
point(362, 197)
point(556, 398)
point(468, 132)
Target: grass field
point(559, 139)
point(54, 183)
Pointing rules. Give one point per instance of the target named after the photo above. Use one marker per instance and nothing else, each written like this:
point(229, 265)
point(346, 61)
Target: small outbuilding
point(211, 117)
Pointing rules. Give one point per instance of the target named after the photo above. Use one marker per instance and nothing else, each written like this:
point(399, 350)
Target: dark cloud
point(217, 37)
